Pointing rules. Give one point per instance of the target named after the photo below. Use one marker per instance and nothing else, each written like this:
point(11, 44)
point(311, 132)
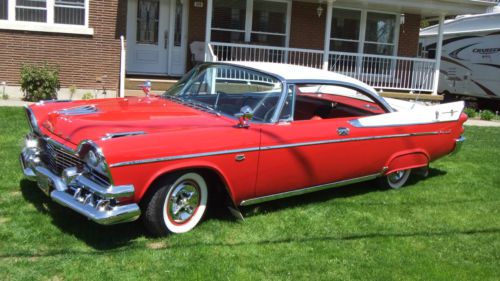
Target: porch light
point(319, 10)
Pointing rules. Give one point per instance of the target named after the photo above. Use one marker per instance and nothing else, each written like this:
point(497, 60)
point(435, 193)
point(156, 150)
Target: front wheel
point(396, 179)
point(177, 206)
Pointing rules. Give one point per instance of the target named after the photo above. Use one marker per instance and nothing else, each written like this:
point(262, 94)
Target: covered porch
point(375, 41)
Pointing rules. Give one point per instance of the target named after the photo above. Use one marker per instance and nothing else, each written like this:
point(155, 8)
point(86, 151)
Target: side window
point(323, 101)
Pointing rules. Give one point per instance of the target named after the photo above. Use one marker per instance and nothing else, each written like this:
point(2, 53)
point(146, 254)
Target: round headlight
point(92, 158)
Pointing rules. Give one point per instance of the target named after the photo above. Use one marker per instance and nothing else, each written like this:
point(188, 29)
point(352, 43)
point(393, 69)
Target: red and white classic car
point(248, 132)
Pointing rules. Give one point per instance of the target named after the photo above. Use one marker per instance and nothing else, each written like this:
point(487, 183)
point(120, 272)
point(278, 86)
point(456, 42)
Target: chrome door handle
point(165, 35)
point(342, 131)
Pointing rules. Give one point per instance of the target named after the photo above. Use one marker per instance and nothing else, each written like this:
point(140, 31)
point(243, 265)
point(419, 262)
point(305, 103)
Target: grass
point(444, 227)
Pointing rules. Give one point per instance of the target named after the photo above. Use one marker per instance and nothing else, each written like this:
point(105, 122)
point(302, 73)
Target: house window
point(269, 23)
point(380, 34)
point(60, 16)
point(4, 9)
point(228, 21)
point(31, 10)
point(69, 12)
point(262, 22)
point(148, 14)
point(345, 30)
point(360, 31)
point(178, 23)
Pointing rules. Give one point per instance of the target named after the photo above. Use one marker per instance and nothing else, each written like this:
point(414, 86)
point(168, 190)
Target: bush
point(471, 112)
point(39, 82)
point(487, 115)
point(87, 96)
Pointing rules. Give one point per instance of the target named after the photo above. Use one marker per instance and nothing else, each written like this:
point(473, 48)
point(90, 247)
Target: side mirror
point(245, 115)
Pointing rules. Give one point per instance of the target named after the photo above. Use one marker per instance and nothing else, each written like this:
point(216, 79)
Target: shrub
point(87, 96)
point(487, 115)
point(471, 112)
point(39, 82)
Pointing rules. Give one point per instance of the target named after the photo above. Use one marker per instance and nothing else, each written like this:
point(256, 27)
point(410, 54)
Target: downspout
point(439, 48)
point(122, 67)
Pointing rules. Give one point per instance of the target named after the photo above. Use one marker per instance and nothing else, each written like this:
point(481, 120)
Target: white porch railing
point(241, 52)
point(385, 72)
point(381, 72)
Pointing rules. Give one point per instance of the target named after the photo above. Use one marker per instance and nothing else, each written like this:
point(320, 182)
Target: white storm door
point(148, 36)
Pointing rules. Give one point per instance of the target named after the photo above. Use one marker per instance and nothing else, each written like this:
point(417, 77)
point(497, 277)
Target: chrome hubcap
point(396, 176)
point(183, 201)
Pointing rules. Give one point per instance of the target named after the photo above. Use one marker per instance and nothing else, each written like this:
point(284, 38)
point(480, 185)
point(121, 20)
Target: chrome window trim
point(263, 148)
point(301, 191)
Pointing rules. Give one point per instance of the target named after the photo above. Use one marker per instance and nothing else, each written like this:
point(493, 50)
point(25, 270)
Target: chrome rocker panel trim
point(55, 187)
point(307, 190)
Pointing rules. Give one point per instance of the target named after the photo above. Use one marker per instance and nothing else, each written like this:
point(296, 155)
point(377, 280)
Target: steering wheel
point(263, 106)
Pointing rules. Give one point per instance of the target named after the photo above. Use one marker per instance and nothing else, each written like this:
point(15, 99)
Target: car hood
point(96, 119)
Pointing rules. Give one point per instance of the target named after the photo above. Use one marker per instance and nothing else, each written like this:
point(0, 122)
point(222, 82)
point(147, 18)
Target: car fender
point(408, 159)
point(188, 165)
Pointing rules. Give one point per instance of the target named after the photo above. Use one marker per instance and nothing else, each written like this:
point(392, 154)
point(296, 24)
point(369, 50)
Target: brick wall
point(408, 36)
point(307, 30)
point(80, 58)
point(196, 27)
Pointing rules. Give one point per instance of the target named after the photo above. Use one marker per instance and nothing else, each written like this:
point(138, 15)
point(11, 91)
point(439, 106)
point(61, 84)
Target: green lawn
point(444, 227)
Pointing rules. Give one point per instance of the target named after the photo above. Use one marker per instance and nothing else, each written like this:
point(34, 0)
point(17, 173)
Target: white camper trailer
point(470, 60)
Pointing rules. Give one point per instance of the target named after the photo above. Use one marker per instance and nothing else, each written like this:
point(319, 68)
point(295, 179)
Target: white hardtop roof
point(296, 72)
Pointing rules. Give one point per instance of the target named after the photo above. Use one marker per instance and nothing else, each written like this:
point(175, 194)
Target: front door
point(155, 35)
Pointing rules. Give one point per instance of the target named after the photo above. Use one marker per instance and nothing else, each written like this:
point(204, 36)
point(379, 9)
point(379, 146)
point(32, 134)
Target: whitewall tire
point(178, 205)
point(396, 179)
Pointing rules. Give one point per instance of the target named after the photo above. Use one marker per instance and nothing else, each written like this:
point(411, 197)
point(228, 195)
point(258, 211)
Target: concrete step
point(156, 84)
point(412, 96)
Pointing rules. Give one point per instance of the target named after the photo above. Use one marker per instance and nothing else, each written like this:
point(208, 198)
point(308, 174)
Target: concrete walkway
point(13, 102)
point(470, 122)
point(482, 123)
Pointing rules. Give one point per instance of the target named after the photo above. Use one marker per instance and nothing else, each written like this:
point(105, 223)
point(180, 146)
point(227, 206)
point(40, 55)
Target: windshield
point(226, 89)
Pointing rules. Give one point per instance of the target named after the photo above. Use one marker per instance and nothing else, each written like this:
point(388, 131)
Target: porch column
point(328, 29)
point(208, 27)
point(439, 47)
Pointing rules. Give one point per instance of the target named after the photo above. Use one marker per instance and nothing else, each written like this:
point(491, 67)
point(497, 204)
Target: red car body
point(144, 139)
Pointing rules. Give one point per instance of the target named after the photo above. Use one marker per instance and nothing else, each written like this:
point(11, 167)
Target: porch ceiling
point(420, 7)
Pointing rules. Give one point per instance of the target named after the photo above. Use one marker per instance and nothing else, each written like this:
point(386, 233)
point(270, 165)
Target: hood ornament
point(146, 88)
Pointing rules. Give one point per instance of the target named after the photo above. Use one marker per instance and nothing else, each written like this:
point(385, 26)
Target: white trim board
point(45, 27)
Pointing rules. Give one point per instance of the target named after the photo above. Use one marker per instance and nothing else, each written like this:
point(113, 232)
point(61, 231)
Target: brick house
point(372, 40)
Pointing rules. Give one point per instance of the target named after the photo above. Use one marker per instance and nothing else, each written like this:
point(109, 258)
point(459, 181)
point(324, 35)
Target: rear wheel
point(396, 179)
point(177, 206)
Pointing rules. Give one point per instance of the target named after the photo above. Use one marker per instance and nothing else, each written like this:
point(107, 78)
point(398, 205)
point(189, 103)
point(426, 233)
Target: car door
point(317, 145)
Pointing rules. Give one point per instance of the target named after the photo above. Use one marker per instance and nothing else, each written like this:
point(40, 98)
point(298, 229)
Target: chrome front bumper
point(80, 193)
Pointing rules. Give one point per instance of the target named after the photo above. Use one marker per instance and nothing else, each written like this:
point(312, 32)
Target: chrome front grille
point(58, 158)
